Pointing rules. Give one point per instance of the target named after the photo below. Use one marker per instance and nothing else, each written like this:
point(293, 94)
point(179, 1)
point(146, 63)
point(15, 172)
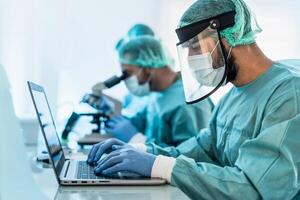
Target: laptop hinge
point(67, 169)
point(64, 170)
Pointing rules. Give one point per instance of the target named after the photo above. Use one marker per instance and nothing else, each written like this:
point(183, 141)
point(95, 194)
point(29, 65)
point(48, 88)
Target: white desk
point(45, 178)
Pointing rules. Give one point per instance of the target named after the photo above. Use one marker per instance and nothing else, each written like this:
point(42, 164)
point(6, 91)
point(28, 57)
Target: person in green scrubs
point(133, 104)
point(164, 122)
point(251, 148)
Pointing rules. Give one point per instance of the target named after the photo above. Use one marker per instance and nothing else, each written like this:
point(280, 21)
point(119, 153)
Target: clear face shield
point(203, 65)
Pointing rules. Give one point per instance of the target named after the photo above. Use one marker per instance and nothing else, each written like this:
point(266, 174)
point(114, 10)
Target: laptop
point(69, 171)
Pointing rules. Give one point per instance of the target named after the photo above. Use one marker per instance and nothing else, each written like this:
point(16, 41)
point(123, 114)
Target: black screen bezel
point(34, 87)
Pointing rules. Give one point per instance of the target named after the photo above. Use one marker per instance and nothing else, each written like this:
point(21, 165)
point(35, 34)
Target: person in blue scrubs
point(250, 149)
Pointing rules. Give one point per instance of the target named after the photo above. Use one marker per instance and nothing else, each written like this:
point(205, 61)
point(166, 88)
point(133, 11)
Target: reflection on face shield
point(203, 70)
point(202, 64)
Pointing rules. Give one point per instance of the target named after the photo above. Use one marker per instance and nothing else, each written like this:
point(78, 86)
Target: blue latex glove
point(103, 147)
point(121, 128)
point(126, 159)
point(101, 103)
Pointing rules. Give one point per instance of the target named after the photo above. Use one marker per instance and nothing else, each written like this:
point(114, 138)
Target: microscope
point(103, 112)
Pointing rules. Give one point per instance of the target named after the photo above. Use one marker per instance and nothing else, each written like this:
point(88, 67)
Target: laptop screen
point(47, 125)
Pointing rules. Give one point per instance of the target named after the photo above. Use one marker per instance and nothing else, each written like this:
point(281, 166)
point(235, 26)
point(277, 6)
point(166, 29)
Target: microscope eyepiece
point(114, 80)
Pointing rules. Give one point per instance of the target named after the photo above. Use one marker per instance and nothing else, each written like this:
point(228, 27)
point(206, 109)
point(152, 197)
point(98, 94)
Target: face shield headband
point(222, 22)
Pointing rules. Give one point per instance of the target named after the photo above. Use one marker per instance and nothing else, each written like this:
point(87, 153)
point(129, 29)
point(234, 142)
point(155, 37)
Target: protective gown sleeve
point(197, 147)
point(187, 121)
point(139, 120)
point(267, 166)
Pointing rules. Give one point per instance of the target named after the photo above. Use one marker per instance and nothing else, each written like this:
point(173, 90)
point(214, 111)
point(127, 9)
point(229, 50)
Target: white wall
point(68, 45)
point(280, 23)
point(65, 45)
point(279, 20)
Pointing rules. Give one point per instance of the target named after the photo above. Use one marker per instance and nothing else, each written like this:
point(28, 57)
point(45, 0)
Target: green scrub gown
point(251, 149)
point(167, 120)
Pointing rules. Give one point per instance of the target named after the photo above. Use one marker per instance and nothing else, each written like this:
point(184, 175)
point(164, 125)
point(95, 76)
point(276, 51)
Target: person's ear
point(143, 75)
point(148, 71)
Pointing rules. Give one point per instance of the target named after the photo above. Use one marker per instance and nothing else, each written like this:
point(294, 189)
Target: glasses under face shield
point(202, 62)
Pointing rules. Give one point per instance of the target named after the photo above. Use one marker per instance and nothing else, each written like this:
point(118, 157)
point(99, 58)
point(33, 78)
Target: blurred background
point(68, 45)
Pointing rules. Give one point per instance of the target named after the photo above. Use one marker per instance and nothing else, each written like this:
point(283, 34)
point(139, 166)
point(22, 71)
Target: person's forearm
point(163, 167)
point(138, 138)
point(166, 151)
point(139, 146)
point(204, 180)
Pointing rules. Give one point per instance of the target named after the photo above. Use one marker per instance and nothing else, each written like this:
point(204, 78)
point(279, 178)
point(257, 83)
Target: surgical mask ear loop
point(229, 53)
point(137, 75)
point(214, 47)
point(149, 78)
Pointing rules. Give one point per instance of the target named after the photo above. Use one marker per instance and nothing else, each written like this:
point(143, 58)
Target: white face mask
point(202, 70)
point(132, 84)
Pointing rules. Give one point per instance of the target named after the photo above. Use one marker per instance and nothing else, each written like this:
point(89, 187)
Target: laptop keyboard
point(86, 171)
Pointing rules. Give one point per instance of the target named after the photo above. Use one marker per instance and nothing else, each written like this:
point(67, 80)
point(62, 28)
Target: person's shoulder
point(288, 77)
point(289, 69)
point(172, 95)
point(287, 88)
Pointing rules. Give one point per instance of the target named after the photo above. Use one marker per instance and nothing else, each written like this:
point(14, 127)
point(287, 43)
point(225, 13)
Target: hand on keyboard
point(86, 171)
point(104, 147)
point(126, 159)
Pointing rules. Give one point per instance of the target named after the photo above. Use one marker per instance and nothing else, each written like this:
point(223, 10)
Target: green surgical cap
point(143, 51)
point(242, 33)
point(137, 30)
